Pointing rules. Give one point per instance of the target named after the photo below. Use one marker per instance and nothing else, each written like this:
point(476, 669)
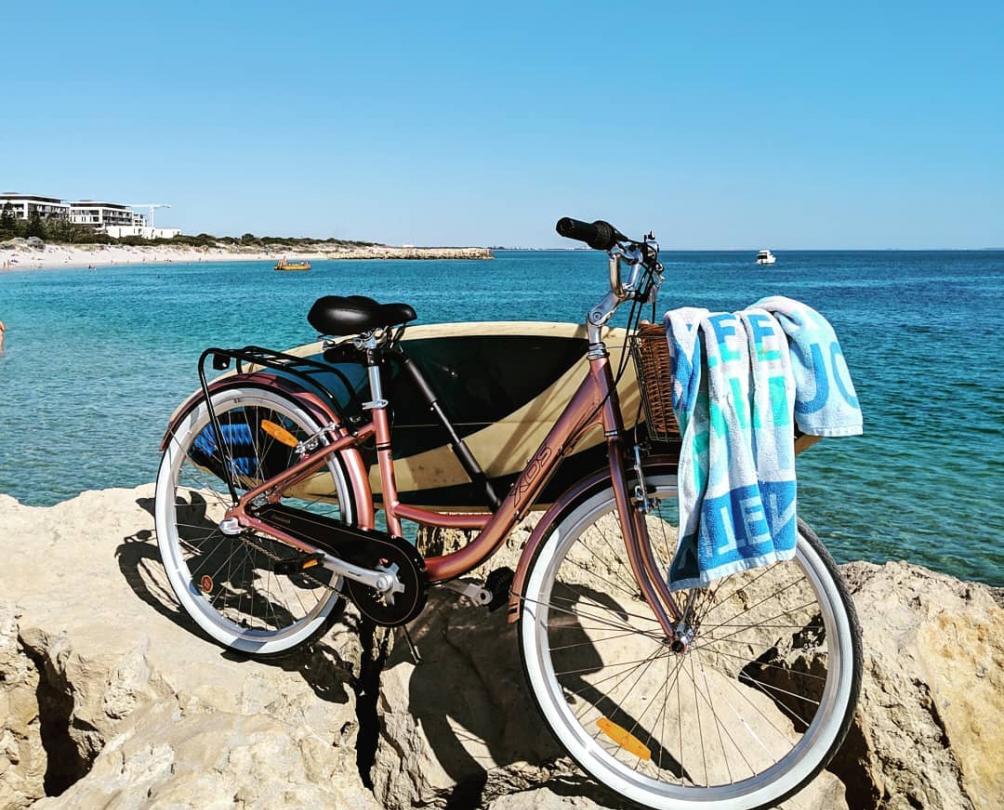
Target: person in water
point(2, 330)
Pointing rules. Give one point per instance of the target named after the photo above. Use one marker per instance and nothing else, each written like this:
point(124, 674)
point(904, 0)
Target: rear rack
point(299, 367)
point(251, 358)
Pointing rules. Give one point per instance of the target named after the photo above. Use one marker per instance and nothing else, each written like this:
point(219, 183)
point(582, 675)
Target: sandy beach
point(19, 256)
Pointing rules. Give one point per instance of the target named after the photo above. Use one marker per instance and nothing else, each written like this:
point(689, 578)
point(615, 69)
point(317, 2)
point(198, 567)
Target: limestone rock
point(542, 798)
point(930, 728)
point(118, 680)
point(109, 697)
point(167, 757)
point(22, 757)
point(462, 718)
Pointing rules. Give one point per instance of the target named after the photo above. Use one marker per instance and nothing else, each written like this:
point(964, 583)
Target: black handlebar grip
point(576, 229)
point(598, 235)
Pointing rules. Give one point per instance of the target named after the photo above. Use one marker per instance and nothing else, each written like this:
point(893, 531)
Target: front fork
point(652, 582)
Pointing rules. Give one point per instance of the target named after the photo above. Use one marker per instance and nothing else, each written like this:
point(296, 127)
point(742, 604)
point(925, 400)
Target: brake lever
point(643, 255)
point(653, 278)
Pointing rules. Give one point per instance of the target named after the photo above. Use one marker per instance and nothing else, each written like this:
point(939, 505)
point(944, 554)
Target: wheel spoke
point(715, 639)
point(600, 619)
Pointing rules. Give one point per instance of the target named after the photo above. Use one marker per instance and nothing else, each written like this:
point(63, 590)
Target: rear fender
point(319, 410)
point(569, 500)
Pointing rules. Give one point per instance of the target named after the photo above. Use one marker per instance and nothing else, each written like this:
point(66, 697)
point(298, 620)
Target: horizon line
point(664, 249)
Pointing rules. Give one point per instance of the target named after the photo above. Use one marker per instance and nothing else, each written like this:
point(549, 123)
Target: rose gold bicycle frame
point(594, 404)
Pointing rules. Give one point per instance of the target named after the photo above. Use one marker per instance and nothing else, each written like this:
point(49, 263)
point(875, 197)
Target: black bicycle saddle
point(349, 315)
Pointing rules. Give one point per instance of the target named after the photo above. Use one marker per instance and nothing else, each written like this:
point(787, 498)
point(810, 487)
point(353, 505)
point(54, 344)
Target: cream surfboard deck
point(502, 383)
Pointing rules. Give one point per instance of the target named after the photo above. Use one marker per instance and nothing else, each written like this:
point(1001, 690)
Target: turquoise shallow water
point(97, 359)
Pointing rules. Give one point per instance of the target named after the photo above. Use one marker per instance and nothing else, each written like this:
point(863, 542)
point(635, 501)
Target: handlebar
point(643, 258)
point(599, 235)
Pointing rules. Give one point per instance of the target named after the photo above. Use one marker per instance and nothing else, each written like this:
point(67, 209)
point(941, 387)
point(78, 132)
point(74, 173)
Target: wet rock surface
point(109, 697)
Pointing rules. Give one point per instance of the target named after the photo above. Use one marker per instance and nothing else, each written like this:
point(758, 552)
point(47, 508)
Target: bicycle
point(733, 696)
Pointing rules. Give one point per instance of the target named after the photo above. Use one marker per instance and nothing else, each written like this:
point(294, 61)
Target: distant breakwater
point(383, 252)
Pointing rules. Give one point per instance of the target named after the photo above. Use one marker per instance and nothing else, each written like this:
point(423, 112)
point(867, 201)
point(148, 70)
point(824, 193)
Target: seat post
point(381, 421)
point(374, 361)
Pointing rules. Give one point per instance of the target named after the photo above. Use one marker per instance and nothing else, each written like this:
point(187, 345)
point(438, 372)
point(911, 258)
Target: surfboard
point(503, 384)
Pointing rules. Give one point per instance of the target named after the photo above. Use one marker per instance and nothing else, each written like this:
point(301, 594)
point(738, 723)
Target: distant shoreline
point(53, 257)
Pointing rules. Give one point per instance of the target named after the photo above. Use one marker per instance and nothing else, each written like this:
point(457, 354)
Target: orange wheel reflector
point(624, 738)
point(279, 433)
point(206, 583)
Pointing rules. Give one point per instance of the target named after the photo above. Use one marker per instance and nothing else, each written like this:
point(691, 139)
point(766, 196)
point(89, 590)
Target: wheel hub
point(683, 638)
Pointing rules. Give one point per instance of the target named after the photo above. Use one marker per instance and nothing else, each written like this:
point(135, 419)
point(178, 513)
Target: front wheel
point(747, 715)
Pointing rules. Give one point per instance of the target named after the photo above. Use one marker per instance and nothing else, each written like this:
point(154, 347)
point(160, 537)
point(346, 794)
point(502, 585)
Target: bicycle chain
point(272, 555)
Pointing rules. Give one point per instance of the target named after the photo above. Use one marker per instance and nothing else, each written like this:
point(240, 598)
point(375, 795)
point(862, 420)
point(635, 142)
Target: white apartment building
point(104, 215)
point(145, 231)
point(24, 205)
point(115, 219)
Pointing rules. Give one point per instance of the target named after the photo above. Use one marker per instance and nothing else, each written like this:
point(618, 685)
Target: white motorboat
point(765, 257)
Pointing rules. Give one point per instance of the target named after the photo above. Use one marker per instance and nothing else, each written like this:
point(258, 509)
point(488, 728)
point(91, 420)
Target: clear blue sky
point(721, 125)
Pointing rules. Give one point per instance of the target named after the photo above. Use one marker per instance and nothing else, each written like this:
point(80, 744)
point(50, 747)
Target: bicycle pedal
point(498, 582)
point(297, 564)
point(470, 591)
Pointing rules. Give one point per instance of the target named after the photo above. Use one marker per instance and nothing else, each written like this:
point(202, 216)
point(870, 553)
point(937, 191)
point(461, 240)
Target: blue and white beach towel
point(736, 387)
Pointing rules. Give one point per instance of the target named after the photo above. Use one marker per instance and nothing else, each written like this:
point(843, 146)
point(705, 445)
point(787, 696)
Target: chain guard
point(365, 548)
point(385, 552)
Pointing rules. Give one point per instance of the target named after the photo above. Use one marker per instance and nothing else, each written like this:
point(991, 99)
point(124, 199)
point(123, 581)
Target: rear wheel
point(226, 583)
point(748, 714)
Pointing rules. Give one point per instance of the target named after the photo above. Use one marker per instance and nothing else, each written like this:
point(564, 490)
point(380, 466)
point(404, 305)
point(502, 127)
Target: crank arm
point(380, 581)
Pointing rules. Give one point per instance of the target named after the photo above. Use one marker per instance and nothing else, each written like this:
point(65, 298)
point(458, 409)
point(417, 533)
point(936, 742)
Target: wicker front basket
point(651, 358)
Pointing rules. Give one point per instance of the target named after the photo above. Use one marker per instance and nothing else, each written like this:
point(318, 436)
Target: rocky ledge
point(107, 697)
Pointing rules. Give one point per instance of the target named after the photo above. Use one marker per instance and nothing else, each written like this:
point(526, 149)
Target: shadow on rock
point(478, 727)
point(322, 665)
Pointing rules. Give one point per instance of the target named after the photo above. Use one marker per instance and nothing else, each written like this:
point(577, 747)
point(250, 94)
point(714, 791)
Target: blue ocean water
point(97, 359)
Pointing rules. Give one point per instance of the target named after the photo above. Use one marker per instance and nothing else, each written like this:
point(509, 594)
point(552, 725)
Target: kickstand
point(411, 645)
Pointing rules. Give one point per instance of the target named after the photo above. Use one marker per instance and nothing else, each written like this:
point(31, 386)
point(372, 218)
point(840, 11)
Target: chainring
point(386, 552)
